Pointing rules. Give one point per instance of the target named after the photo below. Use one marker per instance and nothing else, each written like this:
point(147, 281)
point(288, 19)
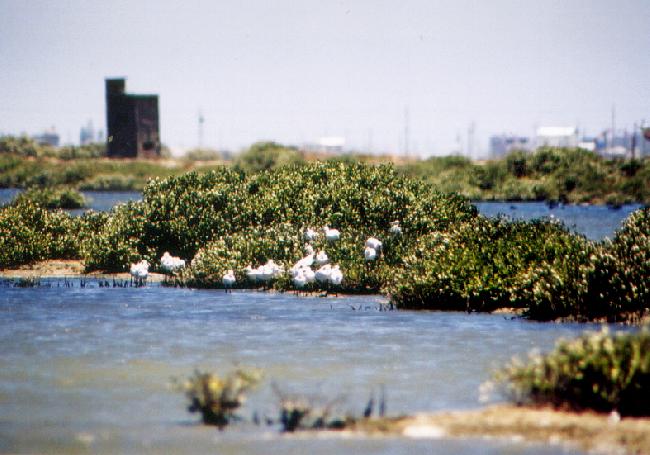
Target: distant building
point(87, 134)
point(556, 136)
point(621, 144)
point(49, 137)
point(132, 122)
point(502, 144)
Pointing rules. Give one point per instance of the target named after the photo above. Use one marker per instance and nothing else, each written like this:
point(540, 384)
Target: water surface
point(88, 369)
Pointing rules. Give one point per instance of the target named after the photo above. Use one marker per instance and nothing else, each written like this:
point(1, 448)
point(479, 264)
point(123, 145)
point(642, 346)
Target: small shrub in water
point(217, 398)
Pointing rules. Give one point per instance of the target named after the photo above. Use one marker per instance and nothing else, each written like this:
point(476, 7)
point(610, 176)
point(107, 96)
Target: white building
point(556, 136)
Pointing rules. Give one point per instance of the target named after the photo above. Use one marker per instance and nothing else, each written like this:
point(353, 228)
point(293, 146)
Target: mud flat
point(595, 433)
point(66, 268)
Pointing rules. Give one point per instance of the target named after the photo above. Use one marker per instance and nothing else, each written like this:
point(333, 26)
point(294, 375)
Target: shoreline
point(66, 268)
point(588, 431)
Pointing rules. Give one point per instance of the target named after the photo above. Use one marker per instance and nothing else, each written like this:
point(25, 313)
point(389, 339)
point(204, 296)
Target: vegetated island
point(443, 255)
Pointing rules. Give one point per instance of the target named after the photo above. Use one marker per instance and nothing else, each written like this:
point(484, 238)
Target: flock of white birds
point(302, 273)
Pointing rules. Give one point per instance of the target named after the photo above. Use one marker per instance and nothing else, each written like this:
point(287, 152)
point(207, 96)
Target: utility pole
point(406, 131)
point(633, 143)
point(613, 135)
point(470, 140)
point(201, 121)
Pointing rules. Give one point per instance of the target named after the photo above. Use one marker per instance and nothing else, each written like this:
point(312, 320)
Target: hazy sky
point(294, 71)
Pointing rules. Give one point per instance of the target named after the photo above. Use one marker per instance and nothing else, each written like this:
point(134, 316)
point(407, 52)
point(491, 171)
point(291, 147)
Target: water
point(594, 221)
point(87, 370)
point(101, 201)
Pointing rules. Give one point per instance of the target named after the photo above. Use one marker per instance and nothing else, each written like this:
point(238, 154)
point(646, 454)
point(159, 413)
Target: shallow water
point(593, 221)
point(101, 201)
point(88, 369)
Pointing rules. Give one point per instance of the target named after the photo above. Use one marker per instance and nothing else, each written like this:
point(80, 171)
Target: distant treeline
point(552, 174)
point(548, 174)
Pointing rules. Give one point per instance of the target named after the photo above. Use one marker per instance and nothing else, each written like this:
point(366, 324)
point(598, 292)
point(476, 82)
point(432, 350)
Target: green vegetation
point(203, 154)
point(597, 371)
point(447, 256)
point(479, 265)
point(29, 232)
point(53, 198)
point(24, 146)
point(230, 220)
point(568, 175)
point(538, 266)
point(216, 398)
point(267, 155)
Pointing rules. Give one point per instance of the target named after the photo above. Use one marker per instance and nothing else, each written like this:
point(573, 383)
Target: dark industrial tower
point(132, 123)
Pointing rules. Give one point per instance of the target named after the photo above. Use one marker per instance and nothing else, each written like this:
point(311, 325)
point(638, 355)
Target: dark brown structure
point(132, 123)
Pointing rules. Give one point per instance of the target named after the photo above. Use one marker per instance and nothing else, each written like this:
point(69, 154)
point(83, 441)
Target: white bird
point(370, 254)
point(229, 279)
point(171, 263)
point(140, 271)
point(331, 234)
point(309, 249)
point(336, 276)
point(310, 235)
point(395, 228)
point(307, 261)
point(323, 274)
point(374, 243)
point(309, 274)
point(321, 258)
point(300, 281)
point(251, 273)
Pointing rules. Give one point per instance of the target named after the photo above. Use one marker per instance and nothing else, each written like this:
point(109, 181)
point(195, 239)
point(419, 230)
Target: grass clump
point(217, 398)
point(597, 371)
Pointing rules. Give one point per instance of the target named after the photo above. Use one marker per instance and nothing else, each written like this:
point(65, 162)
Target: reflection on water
point(89, 369)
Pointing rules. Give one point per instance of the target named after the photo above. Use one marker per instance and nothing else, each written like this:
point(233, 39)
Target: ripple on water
point(89, 369)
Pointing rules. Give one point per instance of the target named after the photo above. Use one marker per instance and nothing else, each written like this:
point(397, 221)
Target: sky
point(407, 76)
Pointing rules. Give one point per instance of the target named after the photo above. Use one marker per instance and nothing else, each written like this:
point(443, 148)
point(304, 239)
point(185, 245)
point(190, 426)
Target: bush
point(594, 281)
point(216, 398)
point(184, 214)
point(597, 371)
point(53, 198)
point(477, 265)
point(267, 155)
point(29, 232)
point(203, 154)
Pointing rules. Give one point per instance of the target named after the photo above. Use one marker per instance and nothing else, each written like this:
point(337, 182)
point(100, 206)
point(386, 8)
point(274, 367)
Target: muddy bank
point(598, 433)
point(66, 268)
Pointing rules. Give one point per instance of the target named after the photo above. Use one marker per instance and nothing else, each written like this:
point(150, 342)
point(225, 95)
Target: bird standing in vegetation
point(140, 272)
point(331, 234)
point(321, 258)
point(228, 280)
point(310, 235)
point(395, 229)
point(170, 264)
point(370, 254)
